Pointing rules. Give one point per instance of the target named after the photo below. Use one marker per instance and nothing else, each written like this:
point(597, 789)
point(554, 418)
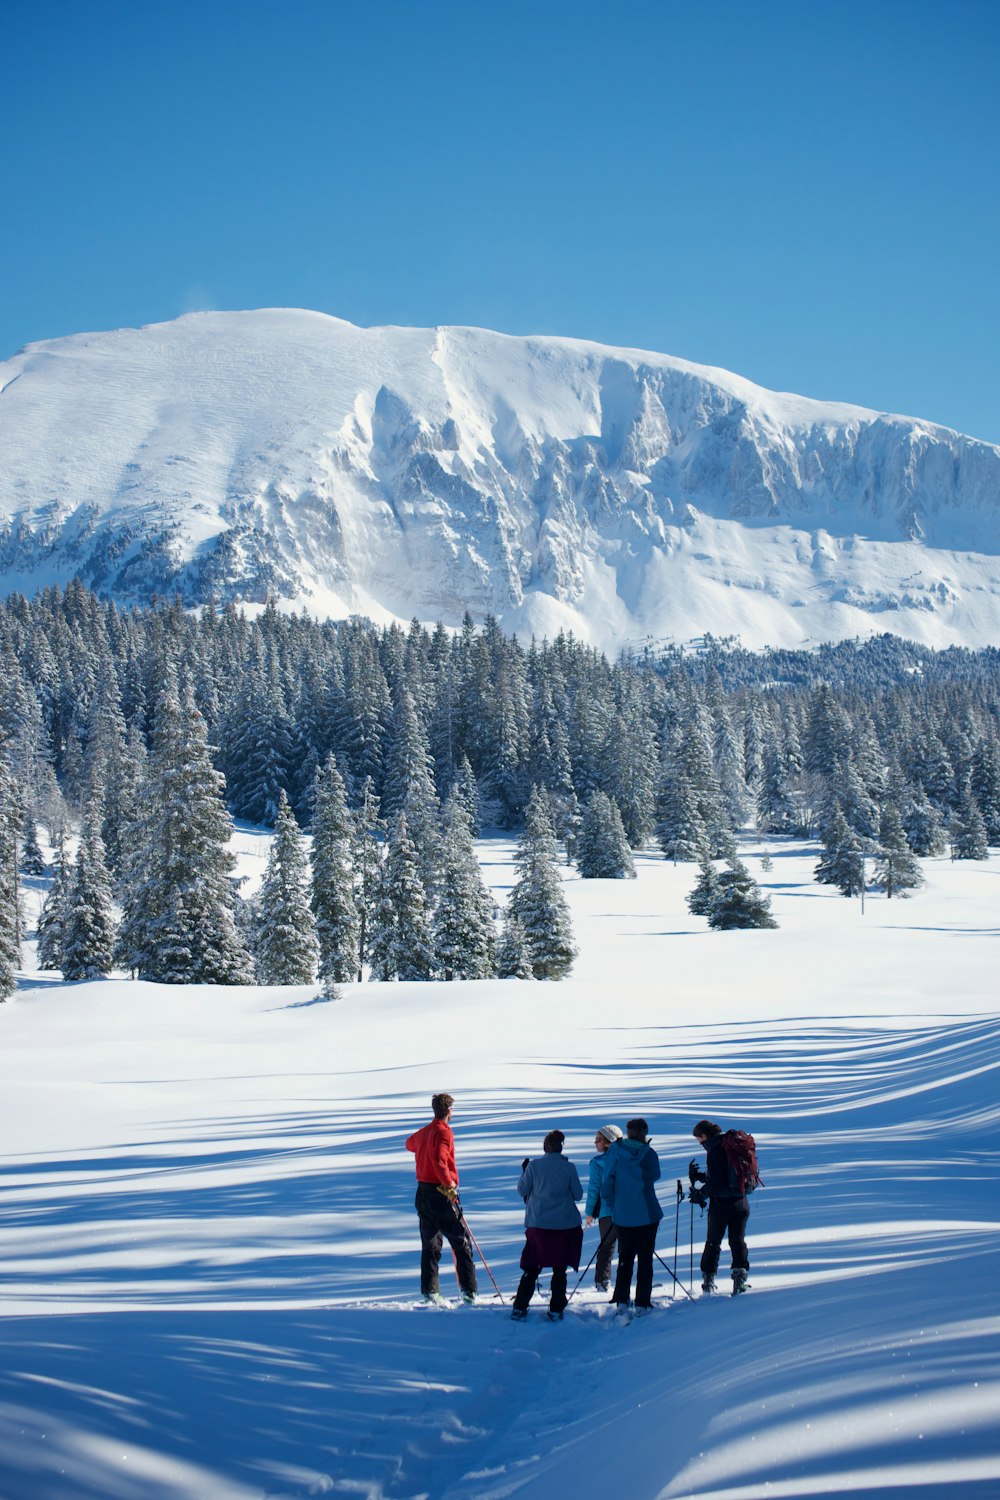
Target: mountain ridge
point(555, 483)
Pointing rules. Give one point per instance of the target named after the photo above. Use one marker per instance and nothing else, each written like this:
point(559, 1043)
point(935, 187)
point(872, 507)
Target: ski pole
point(482, 1257)
point(600, 1247)
point(677, 1223)
point(670, 1273)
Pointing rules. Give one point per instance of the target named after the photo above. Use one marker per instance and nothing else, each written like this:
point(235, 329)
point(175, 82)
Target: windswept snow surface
point(208, 1266)
point(555, 483)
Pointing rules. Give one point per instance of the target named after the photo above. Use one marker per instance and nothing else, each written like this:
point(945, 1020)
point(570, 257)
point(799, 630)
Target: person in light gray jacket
point(553, 1234)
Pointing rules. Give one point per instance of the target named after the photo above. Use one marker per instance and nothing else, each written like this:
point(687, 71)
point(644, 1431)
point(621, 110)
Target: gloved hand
point(525, 1162)
point(695, 1174)
point(699, 1196)
point(451, 1193)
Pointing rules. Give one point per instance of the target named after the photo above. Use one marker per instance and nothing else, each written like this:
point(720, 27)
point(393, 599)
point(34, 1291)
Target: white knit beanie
point(611, 1133)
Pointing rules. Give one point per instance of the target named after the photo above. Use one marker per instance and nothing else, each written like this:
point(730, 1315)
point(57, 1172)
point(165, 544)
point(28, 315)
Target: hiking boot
point(708, 1286)
point(518, 1314)
point(643, 1309)
point(621, 1307)
point(741, 1282)
point(603, 1286)
point(468, 1298)
point(554, 1317)
point(434, 1298)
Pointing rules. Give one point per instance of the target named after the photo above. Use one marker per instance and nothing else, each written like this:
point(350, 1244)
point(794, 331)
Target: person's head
point(441, 1105)
point(705, 1131)
point(553, 1141)
point(606, 1136)
point(637, 1129)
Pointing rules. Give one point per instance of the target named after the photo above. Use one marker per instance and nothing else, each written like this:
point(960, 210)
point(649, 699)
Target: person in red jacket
point(437, 1204)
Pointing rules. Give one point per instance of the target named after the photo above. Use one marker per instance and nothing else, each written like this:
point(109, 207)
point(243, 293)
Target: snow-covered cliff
point(558, 484)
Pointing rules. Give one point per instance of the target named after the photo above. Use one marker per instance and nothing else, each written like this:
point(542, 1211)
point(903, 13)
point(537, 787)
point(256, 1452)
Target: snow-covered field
point(208, 1264)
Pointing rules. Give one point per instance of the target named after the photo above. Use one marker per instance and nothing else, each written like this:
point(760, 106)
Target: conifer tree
point(32, 860)
point(463, 932)
point(985, 783)
point(88, 928)
point(922, 823)
point(843, 862)
point(367, 850)
point(10, 899)
point(179, 925)
point(537, 899)
point(897, 870)
point(286, 936)
point(967, 830)
point(401, 942)
point(333, 905)
point(513, 957)
point(705, 890)
point(53, 915)
point(601, 849)
point(739, 901)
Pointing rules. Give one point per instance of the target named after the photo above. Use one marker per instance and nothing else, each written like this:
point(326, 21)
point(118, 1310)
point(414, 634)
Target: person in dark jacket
point(629, 1197)
point(595, 1210)
point(728, 1210)
point(437, 1203)
point(553, 1236)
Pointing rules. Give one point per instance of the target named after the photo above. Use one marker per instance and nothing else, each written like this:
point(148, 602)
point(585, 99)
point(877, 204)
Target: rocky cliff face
point(556, 484)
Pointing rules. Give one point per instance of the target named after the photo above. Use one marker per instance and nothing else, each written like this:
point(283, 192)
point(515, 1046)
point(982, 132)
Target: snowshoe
point(518, 1314)
point(468, 1298)
point(741, 1282)
point(603, 1286)
point(554, 1317)
point(434, 1299)
point(708, 1286)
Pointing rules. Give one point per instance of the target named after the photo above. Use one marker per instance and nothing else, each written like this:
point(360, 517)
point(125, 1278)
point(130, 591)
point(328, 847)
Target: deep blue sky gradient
point(804, 193)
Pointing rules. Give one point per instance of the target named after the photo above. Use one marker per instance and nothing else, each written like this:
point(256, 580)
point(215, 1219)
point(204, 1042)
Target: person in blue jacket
point(553, 1234)
point(629, 1197)
point(595, 1210)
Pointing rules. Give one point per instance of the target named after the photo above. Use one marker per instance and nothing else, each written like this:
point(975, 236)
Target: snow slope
point(208, 1258)
point(402, 472)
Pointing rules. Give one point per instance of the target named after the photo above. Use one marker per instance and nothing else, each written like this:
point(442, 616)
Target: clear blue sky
point(806, 193)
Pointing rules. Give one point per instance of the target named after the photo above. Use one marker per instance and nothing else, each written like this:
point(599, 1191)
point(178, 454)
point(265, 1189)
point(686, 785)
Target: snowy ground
point(208, 1260)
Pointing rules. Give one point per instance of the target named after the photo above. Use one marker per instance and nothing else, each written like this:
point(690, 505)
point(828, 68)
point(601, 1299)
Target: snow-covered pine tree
point(286, 935)
point(463, 932)
point(401, 943)
point(702, 895)
point(537, 899)
point(333, 905)
point(986, 785)
point(601, 849)
point(10, 896)
point(466, 789)
point(843, 861)
point(32, 859)
point(179, 925)
point(967, 829)
point(897, 870)
point(513, 957)
point(922, 823)
point(367, 852)
point(88, 929)
point(739, 901)
point(53, 914)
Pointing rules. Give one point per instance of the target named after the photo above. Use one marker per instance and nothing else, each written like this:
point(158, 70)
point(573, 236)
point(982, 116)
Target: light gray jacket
point(550, 1187)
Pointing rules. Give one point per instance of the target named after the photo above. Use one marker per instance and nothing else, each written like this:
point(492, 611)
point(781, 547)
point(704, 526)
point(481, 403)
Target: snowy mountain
point(559, 484)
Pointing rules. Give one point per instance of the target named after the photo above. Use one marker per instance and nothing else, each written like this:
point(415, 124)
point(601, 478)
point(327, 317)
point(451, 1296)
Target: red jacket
point(435, 1150)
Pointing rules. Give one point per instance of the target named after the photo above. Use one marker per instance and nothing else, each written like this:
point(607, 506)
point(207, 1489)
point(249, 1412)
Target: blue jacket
point(550, 1187)
point(628, 1194)
point(595, 1203)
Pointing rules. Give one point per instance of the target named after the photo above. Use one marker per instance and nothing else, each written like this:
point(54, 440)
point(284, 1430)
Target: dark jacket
point(720, 1182)
point(627, 1193)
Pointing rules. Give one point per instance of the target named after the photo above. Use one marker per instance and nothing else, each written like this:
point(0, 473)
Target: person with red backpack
point(731, 1160)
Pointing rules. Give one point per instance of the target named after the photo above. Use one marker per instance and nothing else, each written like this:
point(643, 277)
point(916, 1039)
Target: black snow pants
point(635, 1242)
point(606, 1253)
point(440, 1220)
point(726, 1216)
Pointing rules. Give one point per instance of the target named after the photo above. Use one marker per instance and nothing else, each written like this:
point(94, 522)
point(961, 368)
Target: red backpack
point(741, 1154)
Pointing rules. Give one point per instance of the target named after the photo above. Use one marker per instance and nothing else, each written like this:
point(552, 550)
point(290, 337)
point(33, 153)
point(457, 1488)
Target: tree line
point(144, 732)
